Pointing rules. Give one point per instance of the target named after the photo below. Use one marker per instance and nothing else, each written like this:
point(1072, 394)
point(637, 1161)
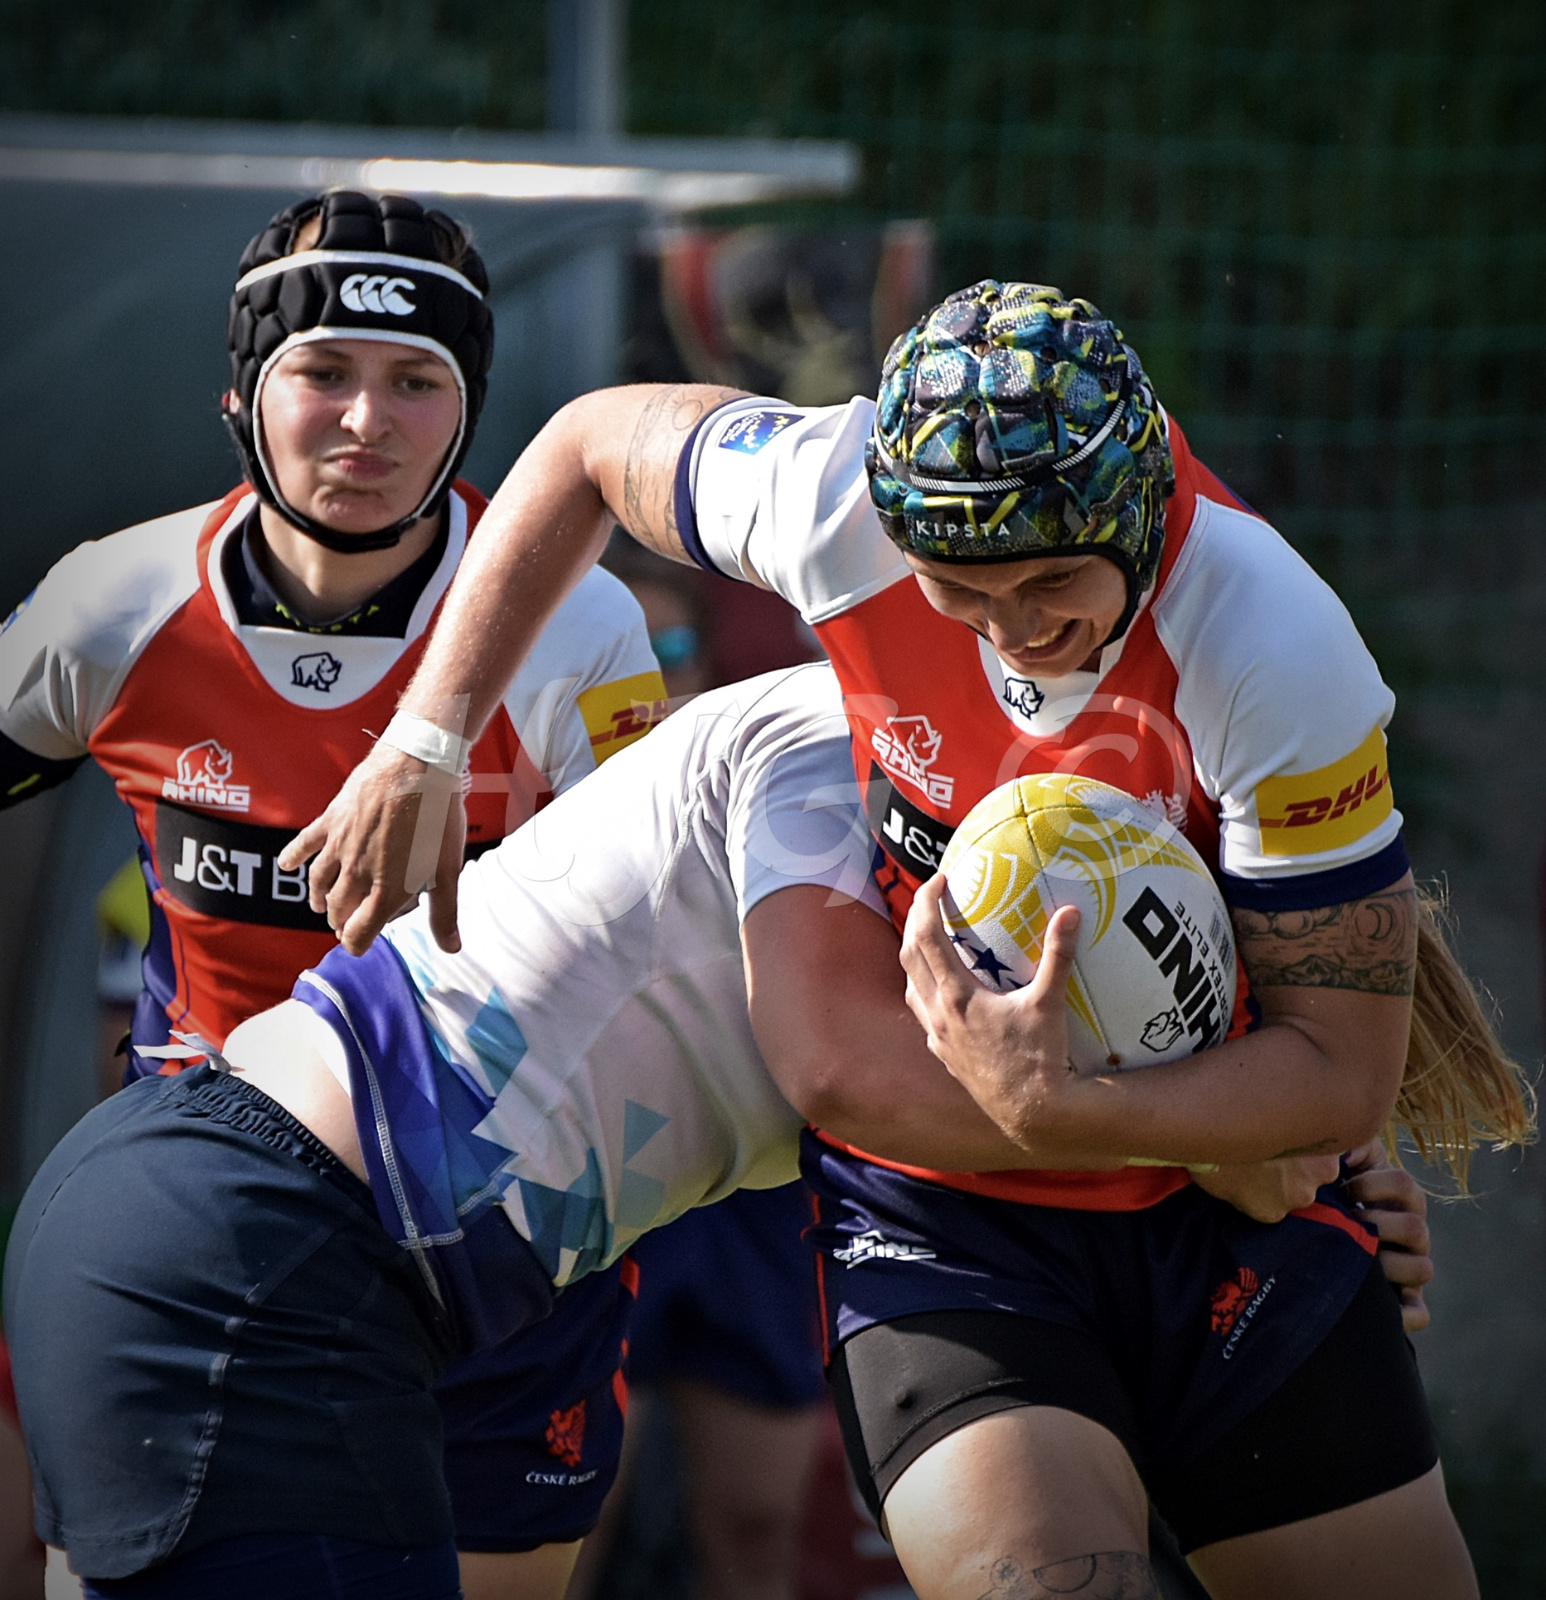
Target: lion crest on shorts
point(566, 1434)
point(1231, 1298)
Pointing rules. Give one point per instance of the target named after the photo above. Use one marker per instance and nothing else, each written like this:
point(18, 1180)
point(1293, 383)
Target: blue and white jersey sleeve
point(778, 496)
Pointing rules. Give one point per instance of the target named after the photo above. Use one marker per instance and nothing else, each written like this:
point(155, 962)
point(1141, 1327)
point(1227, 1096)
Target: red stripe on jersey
point(821, 1280)
point(628, 1276)
point(1332, 1218)
point(1130, 1189)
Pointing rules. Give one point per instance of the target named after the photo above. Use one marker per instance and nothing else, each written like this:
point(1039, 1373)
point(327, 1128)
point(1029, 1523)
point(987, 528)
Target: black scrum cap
point(378, 270)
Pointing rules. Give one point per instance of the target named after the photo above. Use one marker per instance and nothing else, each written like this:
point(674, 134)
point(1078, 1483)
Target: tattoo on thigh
point(1366, 944)
point(1102, 1575)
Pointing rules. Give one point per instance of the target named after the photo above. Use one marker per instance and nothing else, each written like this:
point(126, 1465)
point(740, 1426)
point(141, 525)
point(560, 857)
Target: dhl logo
point(617, 713)
point(1330, 807)
point(1306, 813)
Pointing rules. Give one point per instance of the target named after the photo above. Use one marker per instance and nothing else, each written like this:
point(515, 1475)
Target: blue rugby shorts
point(728, 1299)
point(1202, 1312)
point(534, 1425)
point(213, 1336)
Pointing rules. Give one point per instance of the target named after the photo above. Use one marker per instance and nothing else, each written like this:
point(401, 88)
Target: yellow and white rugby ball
point(1154, 977)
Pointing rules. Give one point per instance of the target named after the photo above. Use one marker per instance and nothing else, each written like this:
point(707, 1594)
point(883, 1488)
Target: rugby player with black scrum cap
point(226, 665)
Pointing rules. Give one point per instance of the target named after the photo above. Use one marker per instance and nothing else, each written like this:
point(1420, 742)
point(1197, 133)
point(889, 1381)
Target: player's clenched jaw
point(1044, 616)
point(356, 430)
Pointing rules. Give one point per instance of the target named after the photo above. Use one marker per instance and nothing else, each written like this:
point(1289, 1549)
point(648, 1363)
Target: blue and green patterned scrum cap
point(1012, 423)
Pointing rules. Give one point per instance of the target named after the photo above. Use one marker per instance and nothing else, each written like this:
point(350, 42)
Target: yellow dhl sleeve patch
point(1308, 812)
point(617, 713)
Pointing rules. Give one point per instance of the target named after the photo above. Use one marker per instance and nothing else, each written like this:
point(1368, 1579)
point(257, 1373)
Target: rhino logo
point(917, 737)
point(566, 1434)
point(204, 773)
point(1160, 1032)
point(207, 763)
point(1022, 695)
point(319, 670)
point(907, 747)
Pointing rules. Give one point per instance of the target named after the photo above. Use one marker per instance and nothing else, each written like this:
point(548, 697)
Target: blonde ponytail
point(1461, 1089)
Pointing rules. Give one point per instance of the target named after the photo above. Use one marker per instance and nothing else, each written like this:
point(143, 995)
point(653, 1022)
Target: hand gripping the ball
point(1009, 1051)
point(396, 827)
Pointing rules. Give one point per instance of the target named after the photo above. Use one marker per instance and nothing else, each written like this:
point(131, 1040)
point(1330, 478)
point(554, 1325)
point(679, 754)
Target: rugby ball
point(1154, 977)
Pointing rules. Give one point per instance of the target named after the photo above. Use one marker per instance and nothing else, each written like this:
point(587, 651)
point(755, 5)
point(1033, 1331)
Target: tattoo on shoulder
point(1369, 944)
point(649, 474)
point(1102, 1575)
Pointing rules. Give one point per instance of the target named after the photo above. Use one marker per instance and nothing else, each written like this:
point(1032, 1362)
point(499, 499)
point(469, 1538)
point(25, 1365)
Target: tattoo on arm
point(1369, 944)
point(1103, 1575)
point(649, 475)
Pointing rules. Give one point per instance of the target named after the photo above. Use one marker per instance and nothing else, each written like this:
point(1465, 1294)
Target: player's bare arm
point(647, 498)
point(1369, 946)
point(831, 1020)
point(1300, 962)
point(1320, 1076)
point(396, 826)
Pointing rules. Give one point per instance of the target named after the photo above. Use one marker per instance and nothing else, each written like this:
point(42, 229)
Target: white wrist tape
point(422, 739)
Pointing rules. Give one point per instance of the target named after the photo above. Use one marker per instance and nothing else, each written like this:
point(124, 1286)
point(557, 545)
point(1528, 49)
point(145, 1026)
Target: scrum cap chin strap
point(355, 287)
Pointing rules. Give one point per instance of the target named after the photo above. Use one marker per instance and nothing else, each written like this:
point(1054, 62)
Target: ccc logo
point(374, 291)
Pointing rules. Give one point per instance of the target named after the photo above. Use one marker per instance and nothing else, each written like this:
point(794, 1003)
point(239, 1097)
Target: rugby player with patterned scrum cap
point(1017, 565)
point(225, 665)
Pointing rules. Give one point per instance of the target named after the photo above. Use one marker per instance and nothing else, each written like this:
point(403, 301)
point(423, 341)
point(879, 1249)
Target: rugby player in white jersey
point(724, 1343)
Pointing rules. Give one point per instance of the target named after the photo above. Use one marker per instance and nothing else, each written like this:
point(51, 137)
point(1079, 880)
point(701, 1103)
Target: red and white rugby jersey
point(225, 739)
point(1241, 703)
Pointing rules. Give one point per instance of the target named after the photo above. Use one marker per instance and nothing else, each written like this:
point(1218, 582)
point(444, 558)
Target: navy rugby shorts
point(266, 1566)
point(1200, 1312)
point(534, 1417)
point(213, 1336)
point(728, 1299)
point(534, 1425)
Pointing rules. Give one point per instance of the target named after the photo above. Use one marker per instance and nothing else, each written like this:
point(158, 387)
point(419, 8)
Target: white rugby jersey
point(592, 1033)
point(226, 739)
